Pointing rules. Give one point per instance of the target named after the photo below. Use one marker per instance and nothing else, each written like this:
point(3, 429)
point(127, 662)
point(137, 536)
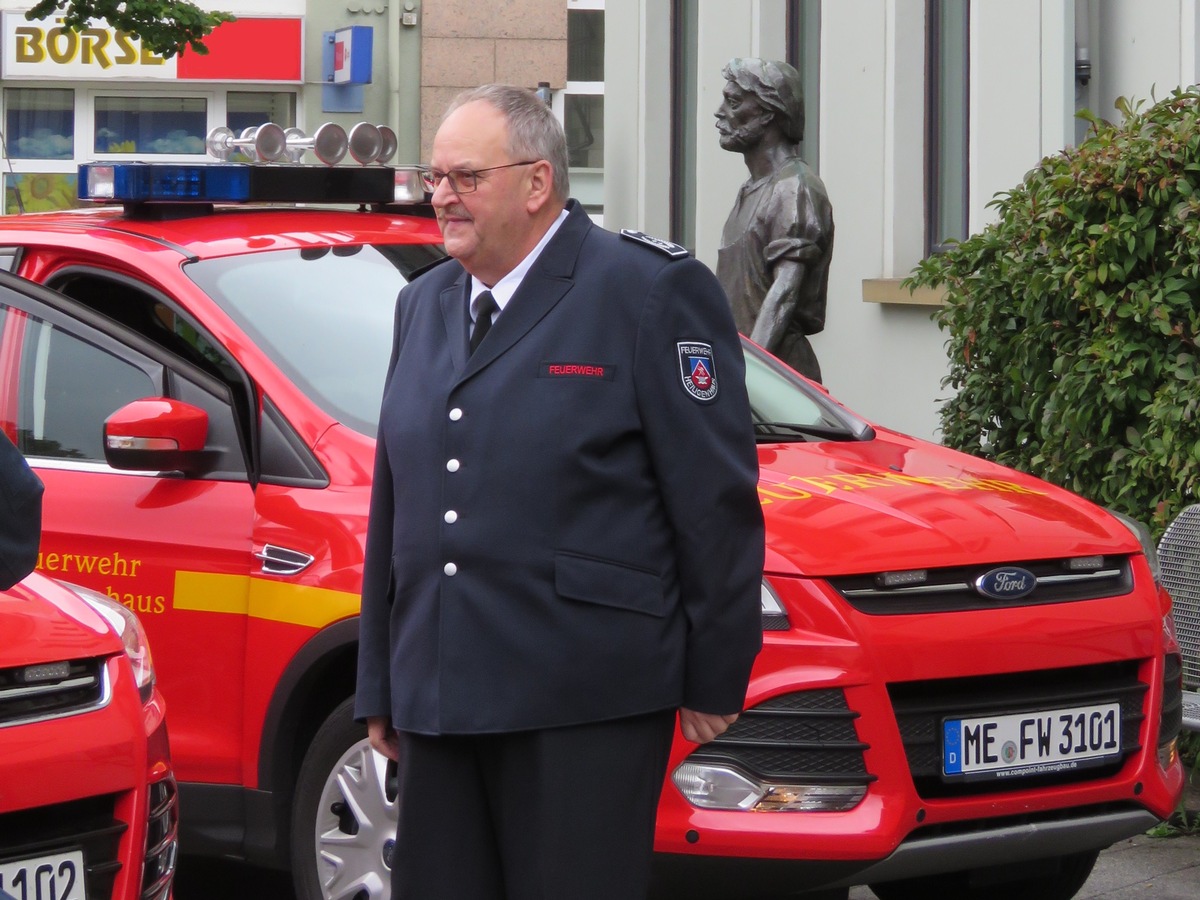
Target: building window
point(585, 42)
point(39, 123)
point(246, 109)
point(130, 124)
point(40, 191)
point(804, 55)
point(947, 30)
point(584, 115)
point(583, 101)
point(685, 19)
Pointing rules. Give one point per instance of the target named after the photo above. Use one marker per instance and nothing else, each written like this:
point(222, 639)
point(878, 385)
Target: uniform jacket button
point(450, 569)
point(452, 465)
point(455, 414)
point(451, 517)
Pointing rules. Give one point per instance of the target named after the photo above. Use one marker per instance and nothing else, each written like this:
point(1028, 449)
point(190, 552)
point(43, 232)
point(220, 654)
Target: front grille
point(162, 839)
point(922, 706)
point(1179, 562)
point(803, 738)
point(87, 824)
point(953, 590)
point(52, 690)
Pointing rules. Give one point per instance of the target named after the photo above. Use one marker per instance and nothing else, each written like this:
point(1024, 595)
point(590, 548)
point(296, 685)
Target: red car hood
point(898, 503)
point(42, 621)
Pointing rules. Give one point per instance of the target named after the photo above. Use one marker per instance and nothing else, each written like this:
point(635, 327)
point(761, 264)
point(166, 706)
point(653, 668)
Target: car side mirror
point(157, 434)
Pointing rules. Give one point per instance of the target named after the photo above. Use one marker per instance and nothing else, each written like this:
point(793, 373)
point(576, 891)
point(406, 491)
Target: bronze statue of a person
point(777, 242)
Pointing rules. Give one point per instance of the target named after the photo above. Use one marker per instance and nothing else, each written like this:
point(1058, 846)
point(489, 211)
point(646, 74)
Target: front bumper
point(1002, 843)
point(100, 781)
point(900, 676)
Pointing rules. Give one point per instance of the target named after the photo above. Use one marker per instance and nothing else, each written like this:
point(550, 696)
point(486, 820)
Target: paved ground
point(1147, 869)
point(1142, 868)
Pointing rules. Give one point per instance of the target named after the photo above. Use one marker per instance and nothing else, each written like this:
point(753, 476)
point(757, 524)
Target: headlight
point(715, 786)
point(1142, 533)
point(127, 627)
point(774, 616)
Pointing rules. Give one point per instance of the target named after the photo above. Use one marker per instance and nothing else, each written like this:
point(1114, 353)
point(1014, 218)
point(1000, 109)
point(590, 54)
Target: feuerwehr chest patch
point(698, 370)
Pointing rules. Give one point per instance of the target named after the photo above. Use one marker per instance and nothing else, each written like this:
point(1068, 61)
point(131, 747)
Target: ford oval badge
point(1006, 583)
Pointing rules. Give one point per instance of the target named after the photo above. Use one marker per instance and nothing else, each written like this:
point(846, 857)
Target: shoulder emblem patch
point(698, 370)
point(671, 249)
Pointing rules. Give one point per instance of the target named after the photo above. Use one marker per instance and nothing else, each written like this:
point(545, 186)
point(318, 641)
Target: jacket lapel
point(543, 286)
point(454, 313)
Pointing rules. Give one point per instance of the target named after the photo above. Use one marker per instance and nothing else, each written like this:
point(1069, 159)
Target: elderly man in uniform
point(777, 242)
point(565, 542)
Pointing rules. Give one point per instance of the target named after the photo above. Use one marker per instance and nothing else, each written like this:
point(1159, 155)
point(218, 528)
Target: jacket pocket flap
point(609, 584)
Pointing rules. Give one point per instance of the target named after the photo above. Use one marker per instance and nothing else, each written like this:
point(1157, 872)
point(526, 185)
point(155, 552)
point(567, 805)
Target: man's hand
point(383, 737)
point(700, 728)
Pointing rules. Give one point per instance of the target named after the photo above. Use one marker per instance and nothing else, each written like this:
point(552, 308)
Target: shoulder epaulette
point(671, 249)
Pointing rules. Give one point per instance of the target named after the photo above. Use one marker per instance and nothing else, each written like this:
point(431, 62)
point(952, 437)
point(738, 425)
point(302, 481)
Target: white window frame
point(587, 184)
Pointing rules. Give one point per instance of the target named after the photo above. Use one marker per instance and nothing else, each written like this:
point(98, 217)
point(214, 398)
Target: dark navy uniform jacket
point(20, 515)
point(564, 526)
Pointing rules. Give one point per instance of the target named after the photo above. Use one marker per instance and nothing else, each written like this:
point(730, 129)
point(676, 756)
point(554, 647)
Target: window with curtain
point(39, 123)
point(140, 124)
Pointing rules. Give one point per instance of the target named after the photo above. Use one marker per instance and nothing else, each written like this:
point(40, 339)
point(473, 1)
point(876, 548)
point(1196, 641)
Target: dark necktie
point(485, 305)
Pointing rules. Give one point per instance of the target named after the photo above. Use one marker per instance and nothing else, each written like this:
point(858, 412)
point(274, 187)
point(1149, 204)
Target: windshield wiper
point(767, 432)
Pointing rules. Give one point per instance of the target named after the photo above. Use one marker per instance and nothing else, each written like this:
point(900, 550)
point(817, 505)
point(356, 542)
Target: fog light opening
point(1168, 753)
point(711, 786)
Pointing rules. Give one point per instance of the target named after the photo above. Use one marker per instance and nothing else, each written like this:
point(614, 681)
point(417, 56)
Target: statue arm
point(779, 304)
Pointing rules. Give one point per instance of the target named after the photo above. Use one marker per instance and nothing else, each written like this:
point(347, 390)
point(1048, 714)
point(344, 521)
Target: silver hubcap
point(356, 823)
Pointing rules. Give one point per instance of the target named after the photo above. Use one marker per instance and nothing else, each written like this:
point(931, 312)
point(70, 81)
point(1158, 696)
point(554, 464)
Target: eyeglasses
point(463, 181)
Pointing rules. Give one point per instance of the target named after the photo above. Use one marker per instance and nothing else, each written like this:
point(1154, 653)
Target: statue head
point(775, 88)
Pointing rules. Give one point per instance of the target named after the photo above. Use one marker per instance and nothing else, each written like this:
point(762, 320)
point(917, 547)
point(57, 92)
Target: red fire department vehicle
point(968, 675)
point(87, 796)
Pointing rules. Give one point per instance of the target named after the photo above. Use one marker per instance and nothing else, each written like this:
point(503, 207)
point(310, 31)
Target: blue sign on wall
point(346, 59)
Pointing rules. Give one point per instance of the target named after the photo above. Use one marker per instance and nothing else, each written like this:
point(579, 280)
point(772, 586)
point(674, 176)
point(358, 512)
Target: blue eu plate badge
point(698, 369)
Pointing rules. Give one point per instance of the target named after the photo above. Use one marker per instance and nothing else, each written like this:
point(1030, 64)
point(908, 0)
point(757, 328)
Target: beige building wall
point(466, 43)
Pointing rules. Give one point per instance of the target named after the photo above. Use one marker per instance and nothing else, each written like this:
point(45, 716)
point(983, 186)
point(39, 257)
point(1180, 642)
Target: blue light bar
point(171, 182)
point(137, 183)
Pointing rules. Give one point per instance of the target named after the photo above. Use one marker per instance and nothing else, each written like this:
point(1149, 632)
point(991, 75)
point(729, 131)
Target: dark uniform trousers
point(550, 814)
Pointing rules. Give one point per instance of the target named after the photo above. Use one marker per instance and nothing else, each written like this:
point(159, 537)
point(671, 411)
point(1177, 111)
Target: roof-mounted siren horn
point(372, 143)
point(263, 143)
point(390, 144)
point(328, 143)
point(366, 143)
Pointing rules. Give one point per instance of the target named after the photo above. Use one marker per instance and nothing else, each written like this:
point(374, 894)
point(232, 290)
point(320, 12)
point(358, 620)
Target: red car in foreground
point(968, 675)
point(88, 806)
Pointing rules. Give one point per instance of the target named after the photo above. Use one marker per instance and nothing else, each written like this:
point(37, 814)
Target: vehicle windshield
point(323, 316)
point(785, 407)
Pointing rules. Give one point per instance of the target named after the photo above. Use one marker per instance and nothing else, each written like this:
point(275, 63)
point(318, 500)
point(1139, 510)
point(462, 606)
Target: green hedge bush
point(1073, 319)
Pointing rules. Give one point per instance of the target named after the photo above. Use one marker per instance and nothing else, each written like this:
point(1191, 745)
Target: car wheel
point(1059, 878)
point(343, 815)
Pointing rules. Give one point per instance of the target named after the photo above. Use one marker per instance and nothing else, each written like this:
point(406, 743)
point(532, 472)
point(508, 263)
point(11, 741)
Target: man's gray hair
point(777, 86)
point(533, 130)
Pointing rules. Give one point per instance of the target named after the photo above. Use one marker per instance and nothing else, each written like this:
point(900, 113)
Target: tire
point(343, 815)
point(1061, 879)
